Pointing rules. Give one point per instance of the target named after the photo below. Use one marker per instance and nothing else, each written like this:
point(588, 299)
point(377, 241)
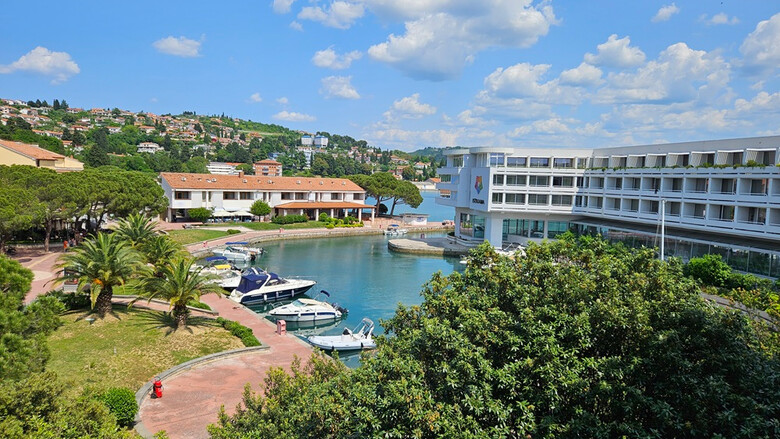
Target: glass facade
point(472, 226)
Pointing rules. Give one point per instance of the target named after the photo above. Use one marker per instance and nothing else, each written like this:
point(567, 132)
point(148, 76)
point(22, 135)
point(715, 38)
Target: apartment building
point(337, 197)
point(720, 196)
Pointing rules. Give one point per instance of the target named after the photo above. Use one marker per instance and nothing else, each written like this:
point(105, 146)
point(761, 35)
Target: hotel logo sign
point(478, 185)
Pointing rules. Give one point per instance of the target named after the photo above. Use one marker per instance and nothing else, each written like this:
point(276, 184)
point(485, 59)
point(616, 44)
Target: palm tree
point(101, 263)
point(136, 229)
point(159, 250)
point(179, 284)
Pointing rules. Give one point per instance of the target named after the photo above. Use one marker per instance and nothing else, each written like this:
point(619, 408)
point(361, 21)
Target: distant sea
point(436, 212)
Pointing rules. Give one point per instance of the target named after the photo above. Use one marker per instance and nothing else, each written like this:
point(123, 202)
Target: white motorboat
point(308, 310)
point(222, 273)
point(395, 229)
point(243, 246)
point(362, 337)
point(232, 254)
point(258, 286)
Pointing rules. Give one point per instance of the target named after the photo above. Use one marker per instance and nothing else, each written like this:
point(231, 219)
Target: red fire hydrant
point(157, 387)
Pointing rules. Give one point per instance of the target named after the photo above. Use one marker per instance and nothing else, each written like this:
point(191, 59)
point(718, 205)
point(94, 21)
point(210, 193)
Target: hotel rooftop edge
point(724, 194)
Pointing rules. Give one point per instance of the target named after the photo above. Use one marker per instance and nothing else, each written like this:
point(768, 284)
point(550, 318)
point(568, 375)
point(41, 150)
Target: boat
point(395, 229)
point(362, 337)
point(232, 254)
point(243, 246)
point(222, 273)
point(258, 286)
point(308, 310)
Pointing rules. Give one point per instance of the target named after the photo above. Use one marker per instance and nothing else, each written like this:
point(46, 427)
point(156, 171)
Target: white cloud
point(182, 46)
point(339, 14)
point(409, 107)
point(291, 116)
point(413, 138)
point(721, 18)
point(547, 126)
point(282, 6)
point(524, 80)
point(339, 87)
point(583, 75)
point(255, 97)
point(665, 13)
point(680, 74)
point(282, 100)
point(41, 60)
point(763, 104)
point(294, 25)
point(616, 52)
point(442, 37)
point(329, 59)
point(761, 48)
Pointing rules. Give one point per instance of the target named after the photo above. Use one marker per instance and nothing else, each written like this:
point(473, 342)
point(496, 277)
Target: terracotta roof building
point(268, 167)
point(286, 195)
point(17, 153)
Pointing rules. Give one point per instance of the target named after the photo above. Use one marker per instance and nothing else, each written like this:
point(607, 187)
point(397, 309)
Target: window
point(582, 163)
point(518, 227)
point(287, 196)
point(335, 196)
point(301, 196)
point(498, 197)
point(246, 195)
point(498, 179)
point(357, 197)
point(515, 198)
point(445, 178)
point(228, 195)
point(515, 180)
point(561, 200)
point(496, 160)
point(540, 162)
point(182, 195)
point(538, 180)
point(537, 199)
point(581, 182)
point(563, 181)
point(457, 161)
point(555, 228)
point(537, 229)
point(515, 162)
point(563, 163)
point(472, 225)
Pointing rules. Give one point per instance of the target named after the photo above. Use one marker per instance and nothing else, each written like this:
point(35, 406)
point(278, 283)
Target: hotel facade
point(233, 195)
point(720, 196)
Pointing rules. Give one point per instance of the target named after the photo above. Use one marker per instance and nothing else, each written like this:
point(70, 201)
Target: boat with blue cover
point(258, 286)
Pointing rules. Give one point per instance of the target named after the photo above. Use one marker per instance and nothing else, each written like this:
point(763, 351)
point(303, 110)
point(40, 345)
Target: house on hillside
point(268, 167)
point(149, 147)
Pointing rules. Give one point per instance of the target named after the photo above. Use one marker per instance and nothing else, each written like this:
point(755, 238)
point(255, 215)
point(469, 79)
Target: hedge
point(121, 403)
point(290, 219)
point(240, 331)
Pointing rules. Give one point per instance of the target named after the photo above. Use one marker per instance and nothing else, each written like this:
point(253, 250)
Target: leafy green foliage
point(121, 403)
point(242, 332)
point(136, 229)
point(199, 214)
point(710, 269)
point(233, 231)
point(260, 208)
point(290, 219)
point(384, 187)
point(577, 339)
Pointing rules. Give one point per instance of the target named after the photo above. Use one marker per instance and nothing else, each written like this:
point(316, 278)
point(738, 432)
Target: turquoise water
point(436, 213)
point(360, 273)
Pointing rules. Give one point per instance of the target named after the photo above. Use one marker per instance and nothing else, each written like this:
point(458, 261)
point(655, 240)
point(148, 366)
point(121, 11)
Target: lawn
point(130, 347)
point(189, 236)
point(272, 226)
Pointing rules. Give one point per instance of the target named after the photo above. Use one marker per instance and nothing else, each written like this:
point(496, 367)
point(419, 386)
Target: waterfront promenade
point(192, 398)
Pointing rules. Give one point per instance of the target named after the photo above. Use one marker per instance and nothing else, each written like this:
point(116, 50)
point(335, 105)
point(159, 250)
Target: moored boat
point(395, 229)
point(362, 337)
point(308, 310)
point(258, 286)
point(232, 254)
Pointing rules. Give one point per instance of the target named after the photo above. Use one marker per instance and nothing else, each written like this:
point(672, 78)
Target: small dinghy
point(362, 337)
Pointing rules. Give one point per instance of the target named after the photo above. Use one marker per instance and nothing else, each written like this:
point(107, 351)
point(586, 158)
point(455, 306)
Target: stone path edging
point(162, 302)
point(146, 390)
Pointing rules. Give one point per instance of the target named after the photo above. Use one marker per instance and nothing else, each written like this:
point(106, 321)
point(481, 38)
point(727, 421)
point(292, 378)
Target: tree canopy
point(382, 186)
point(578, 339)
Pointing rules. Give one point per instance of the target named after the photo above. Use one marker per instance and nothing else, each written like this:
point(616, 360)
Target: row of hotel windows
point(728, 158)
point(532, 199)
point(700, 185)
point(712, 211)
point(334, 196)
point(535, 180)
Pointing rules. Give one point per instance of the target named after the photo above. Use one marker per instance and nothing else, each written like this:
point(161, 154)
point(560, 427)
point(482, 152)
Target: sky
point(407, 74)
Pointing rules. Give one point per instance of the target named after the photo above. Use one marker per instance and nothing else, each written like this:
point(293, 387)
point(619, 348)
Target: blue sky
point(412, 73)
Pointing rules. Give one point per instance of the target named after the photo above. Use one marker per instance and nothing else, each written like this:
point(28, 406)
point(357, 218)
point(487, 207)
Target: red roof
point(31, 151)
point(255, 182)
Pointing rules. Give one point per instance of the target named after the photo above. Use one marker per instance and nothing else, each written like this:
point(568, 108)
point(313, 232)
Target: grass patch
point(272, 226)
point(129, 347)
point(188, 236)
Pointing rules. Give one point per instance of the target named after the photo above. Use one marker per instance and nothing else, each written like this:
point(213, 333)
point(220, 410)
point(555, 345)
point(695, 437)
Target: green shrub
point(242, 332)
point(199, 214)
point(71, 301)
point(197, 304)
point(233, 231)
point(323, 217)
point(754, 164)
point(710, 269)
point(290, 219)
point(330, 226)
point(121, 403)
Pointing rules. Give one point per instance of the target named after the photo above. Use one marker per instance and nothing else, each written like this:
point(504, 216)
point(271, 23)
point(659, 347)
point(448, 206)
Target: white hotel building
point(720, 196)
